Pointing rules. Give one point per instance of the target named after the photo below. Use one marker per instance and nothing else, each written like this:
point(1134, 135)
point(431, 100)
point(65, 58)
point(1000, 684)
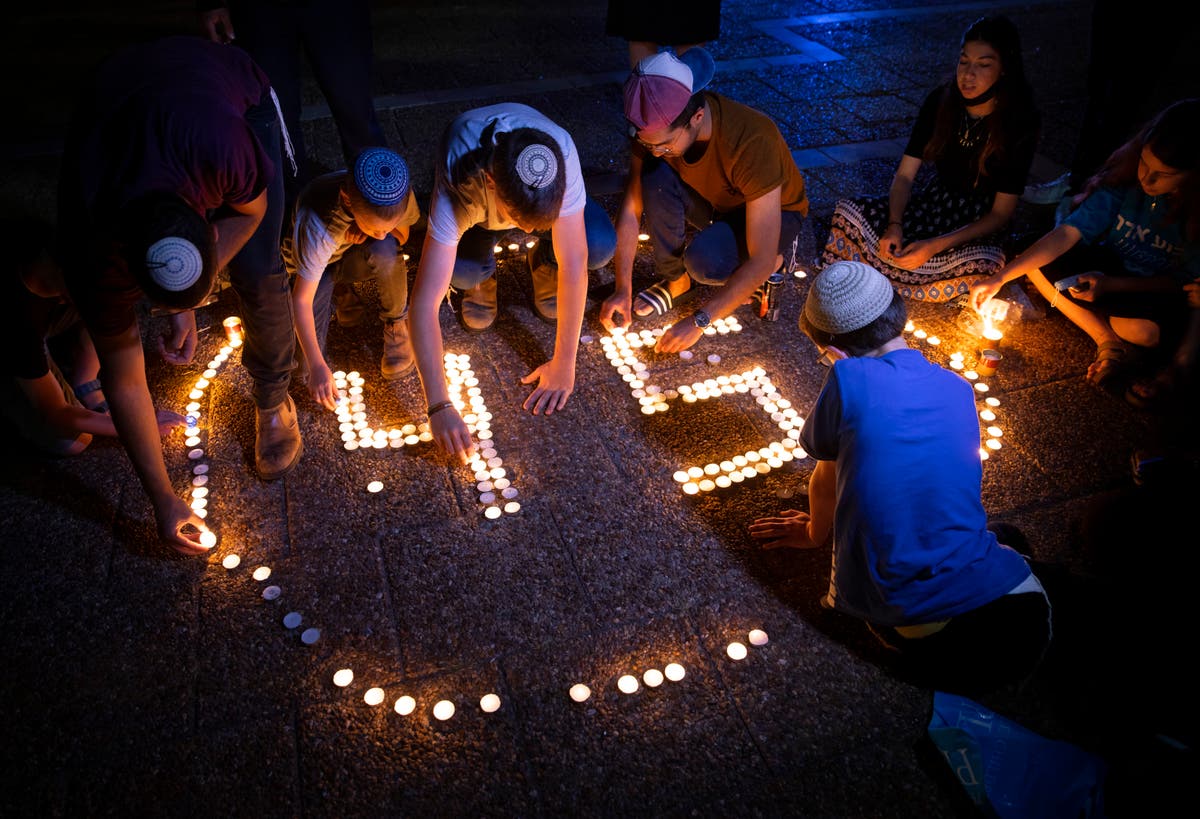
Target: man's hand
point(914, 254)
point(179, 345)
point(451, 433)
point(890, 242)
point(789, 530)
point(320, 384)
point(176, 520)
point(984, 291)
point(168, 421)
point(616, 311)
point(555, 383)
point(678, 337)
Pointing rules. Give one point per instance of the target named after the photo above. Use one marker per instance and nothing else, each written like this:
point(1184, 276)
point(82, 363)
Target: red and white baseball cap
point(661, 85)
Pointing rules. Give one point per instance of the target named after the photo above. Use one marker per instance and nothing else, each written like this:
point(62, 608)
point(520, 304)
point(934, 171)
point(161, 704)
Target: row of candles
point(444, 709)
point(196, 429)
point(235, 335)
point(991, 431)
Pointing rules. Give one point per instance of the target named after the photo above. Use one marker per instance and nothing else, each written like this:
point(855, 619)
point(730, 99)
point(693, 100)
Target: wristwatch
point(701, 319)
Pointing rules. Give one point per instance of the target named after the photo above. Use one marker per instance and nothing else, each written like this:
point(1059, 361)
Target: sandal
point(658, 297)
point(1111, 365)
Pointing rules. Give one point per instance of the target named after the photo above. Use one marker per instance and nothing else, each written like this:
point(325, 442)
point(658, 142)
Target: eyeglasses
point(663, 148)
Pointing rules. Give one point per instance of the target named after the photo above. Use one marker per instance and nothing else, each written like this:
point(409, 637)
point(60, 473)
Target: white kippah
point(537, 166)
point(847, 296)
point(174, 263)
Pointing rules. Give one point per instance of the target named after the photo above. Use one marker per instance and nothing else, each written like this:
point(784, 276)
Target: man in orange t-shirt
point(702, 160)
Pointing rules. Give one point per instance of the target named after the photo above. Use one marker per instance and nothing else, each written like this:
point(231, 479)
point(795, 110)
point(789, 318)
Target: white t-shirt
point(318, 237)
point(461, 198)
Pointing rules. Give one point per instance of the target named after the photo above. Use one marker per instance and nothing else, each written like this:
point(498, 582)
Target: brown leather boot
point(398, 359)
point(545, 286)
point(479, 306)
point(277, 444)
point(348, 307)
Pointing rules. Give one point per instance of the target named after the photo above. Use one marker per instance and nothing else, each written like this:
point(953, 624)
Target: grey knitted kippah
point(174, 263)
point(847, 296)
point(381, 176)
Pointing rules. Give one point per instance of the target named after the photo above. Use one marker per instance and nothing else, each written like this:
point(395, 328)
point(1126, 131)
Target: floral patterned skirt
point(857, 225)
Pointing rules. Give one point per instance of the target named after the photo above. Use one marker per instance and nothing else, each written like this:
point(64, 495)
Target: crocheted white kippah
point(847, 296)
point(174, 263)
point(537, 166)
point(381, 176)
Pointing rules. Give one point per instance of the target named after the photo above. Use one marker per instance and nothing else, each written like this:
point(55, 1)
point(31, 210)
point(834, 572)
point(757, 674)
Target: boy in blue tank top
point(898, 485)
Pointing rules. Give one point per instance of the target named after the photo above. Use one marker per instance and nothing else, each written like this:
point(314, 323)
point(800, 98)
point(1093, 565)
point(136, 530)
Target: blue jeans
point(259, 279)
point(476, 259)
point(380, 260)
point(719, 247)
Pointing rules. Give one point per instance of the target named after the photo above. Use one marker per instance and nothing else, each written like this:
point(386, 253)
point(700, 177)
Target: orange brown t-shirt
point(746, 158)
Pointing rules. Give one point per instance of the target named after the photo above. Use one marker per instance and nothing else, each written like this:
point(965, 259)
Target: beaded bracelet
point(438, 407)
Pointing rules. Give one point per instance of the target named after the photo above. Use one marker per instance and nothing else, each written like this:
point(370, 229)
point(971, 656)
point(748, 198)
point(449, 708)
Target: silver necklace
point(969, 133)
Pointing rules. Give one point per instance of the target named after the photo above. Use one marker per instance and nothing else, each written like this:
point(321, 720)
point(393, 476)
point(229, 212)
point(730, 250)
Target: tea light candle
point(757, 637)
point(579, 692)
point(343, 677)
point(374, 696)
point(262, 573)
point(489, 703)
point(628, 684)
point(310, 636)
point(208, 539)
point(443, 710)
point(231, 561)
point(271, 592)
point(405, 705)
point(674, 672)
point(292, 619)
point(736, 651)
point(653, 678)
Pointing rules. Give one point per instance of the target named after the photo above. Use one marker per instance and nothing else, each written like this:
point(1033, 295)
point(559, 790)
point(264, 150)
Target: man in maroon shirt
point(170, 174)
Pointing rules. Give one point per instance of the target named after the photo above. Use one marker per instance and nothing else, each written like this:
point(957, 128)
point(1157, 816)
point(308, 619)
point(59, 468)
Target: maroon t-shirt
point(169, 115)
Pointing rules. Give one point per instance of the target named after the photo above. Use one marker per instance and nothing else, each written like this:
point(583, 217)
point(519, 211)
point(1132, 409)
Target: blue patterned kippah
point(381, 176)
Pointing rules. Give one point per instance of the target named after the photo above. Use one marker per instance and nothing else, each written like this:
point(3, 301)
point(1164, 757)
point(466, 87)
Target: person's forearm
point(898, 196)
point(741, 285)
point(822, 500)
point(572, 299)
point(433, 277)
point(233, 232)
point(69, 420)
point(133, 415)
point(627, 227)
point(306, 328)
point(1040, 253)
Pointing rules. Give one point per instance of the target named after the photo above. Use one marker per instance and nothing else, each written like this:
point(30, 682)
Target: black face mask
point(982, 98)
